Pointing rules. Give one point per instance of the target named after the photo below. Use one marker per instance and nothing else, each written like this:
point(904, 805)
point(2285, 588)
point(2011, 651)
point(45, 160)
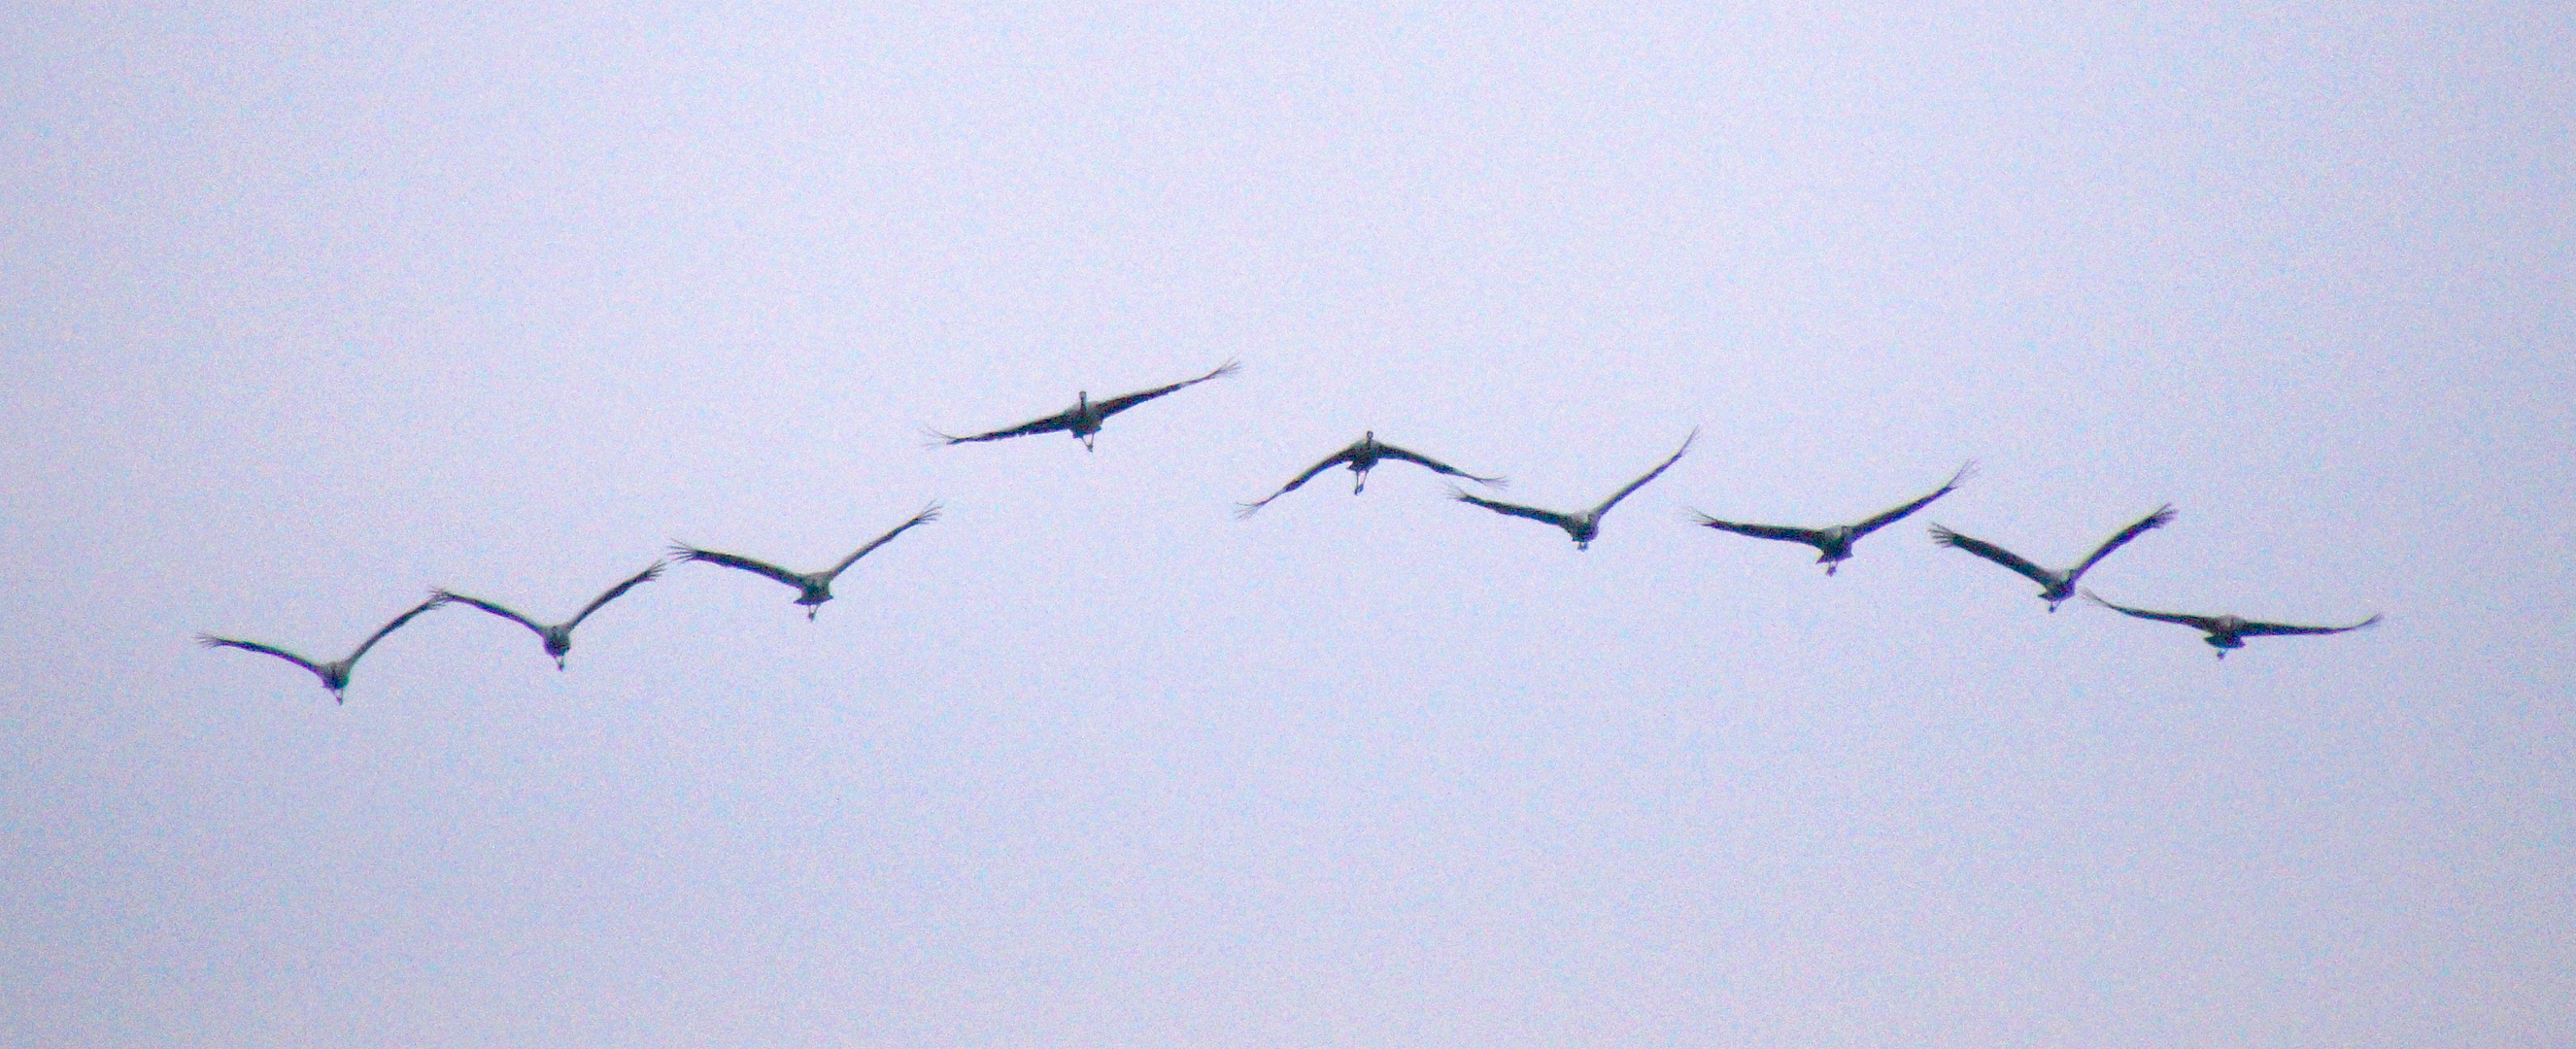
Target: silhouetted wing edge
point(494, 609)
point(2203, 623)
point(685, 552)
point(211, 641)
point(1658, 471)
point(2163, 516)
point(1121, 403)
point(1436, 466)
point(1785, 533)
point(1996, 554)
point(638, 579)
point(2261, 629)
point(1513, 509)
point(927, 514)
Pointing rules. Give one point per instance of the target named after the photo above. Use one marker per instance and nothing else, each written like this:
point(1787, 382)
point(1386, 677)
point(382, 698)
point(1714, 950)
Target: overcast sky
point(311, 308)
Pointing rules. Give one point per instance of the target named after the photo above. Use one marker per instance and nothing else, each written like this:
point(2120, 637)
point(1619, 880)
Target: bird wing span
point(1993, 553)
point(1899, 513)
point(614, 592)
point(1514, 509)
point(496, 610)
point(211, 641)
point(2207, 623)
point(1343, 456)
point(690, 553)
point(1606, 504)
point(928, 513)
point(434, 601)
point(1435, 465)
point(2255, 629)
point(1115, 405)
point(2139, 527)
point(1758, 531)
point(1062, 420)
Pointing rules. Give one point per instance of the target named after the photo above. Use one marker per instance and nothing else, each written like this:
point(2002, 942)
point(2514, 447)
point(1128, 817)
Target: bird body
point(1084, 418)
point(1363, 455)
point(1834, 543)
point(335, 676)
point(2055, 586)
point(1582, 525)
point(557, 637)
point(813, 588)
point(2227, 632)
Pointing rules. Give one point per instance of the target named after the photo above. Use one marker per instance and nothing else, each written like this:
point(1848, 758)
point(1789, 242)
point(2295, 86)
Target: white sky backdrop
point(312, 308)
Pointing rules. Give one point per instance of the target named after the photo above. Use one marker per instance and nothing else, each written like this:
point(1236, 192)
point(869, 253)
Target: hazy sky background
point(313, 307)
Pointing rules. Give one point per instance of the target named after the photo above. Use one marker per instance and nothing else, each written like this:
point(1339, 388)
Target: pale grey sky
point(315, 307)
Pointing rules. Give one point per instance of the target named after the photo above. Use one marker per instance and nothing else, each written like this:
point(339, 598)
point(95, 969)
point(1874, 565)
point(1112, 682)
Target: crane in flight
point(335, 676)
point(2055, 586)
point(1582, 525)
point(1086, 415)
point(1363, 455)
point(558, 637)
point(1834, 544)
point(813, 588)
point(2226, 632)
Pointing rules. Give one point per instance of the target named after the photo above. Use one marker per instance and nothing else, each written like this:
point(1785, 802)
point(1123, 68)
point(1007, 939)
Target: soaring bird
point(1363, 455)
point(1834, 544)
point(2226, 632)
point(1582, 525)
point(815, 587)
point(2055, 587)
point(1084, 418)
point(557, 638)
point(335, 676)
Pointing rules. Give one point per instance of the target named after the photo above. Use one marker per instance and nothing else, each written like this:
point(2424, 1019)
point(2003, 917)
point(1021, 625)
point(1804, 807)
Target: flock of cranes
point(1083, 420)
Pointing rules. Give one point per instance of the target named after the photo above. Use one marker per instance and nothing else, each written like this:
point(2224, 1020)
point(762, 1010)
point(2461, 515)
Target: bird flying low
point(815, 587)
point(335, 676)
point(1363, 455)
point(1834, 544)
point(558, 637)
point(2226, 632)
point(2055, 586)
point(1086, 415)
point(1582, 525)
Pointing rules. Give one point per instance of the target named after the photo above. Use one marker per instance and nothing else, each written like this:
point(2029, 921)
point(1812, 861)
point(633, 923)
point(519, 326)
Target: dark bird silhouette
point(1834, 544)
point(1363, 455)
point(2055, 586)
point(1582, 525)
point(814, 587)
point(1086, 415)
point(558, 637)
point(335, 676)
point(2226, 632)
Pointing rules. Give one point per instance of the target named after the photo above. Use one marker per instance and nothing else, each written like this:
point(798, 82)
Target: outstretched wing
point(434, 601)
point(1062, 420)
point(928, 513)
point(614, 592)
point(495, 610)
point(686, 552)
point(2203, 623)
point(1899, 513)
point(2163, 515)
point(211, 641)
point(1606, 504)
point(1343, 456)
point(2258, 629)
point(1514, 509)
point(1993, 553)
point(1758, 531)
point(1435, 465)
point(1115, 405)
